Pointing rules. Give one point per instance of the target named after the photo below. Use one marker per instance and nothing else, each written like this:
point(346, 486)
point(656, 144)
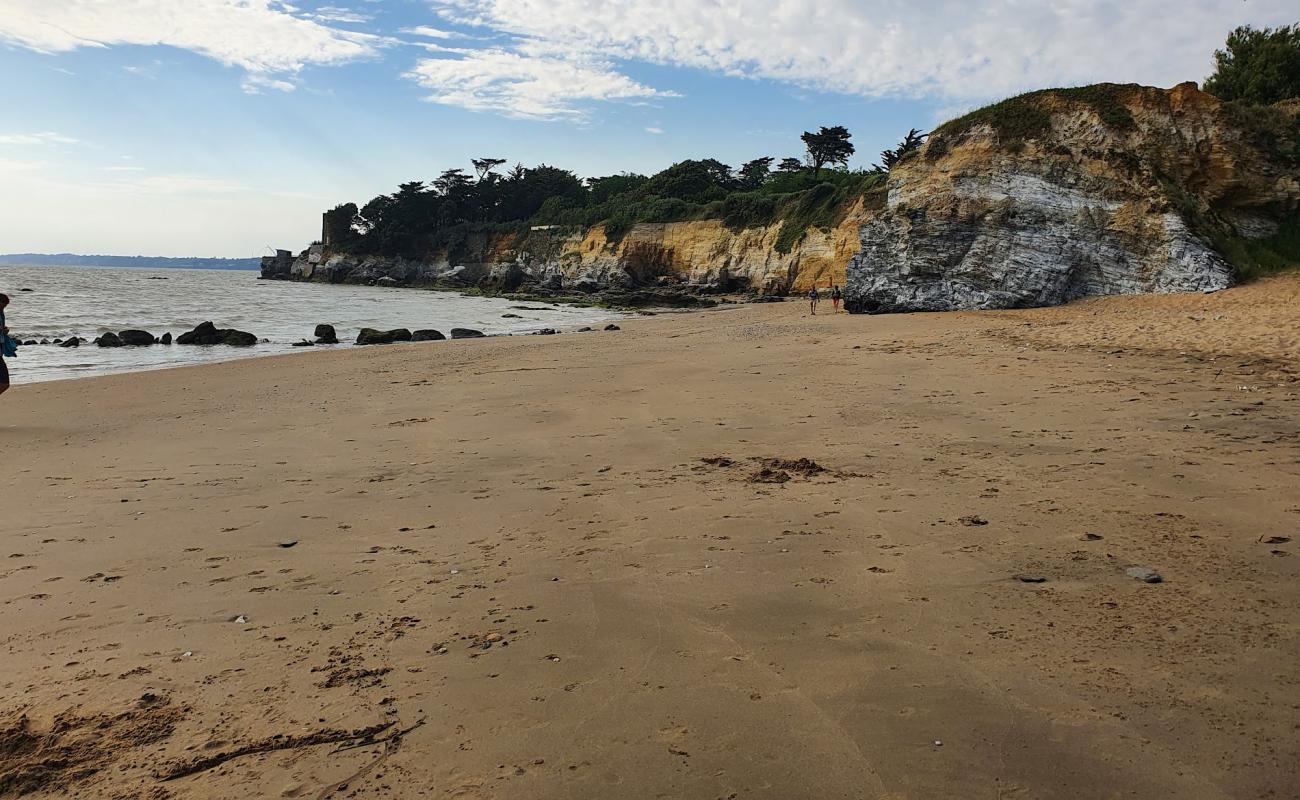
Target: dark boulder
point(75, 341)
point(612, 327)
point(545, 332)
point(325, 334)
point(372, 336)
point(208, 334)
point(205, 333)
point(166, 338)
point(427, 335)
point(466, 333)
point(58, 341)
point(136, 338)
point(109, 340)
point(304, 343)
point(236, 338)
point(29, 343)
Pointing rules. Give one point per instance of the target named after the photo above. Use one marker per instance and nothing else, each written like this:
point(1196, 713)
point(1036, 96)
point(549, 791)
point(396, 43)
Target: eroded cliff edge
point(668, 263)
point(1063, 194)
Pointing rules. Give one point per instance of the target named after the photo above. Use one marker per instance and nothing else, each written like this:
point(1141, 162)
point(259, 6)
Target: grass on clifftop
point(1024, 117)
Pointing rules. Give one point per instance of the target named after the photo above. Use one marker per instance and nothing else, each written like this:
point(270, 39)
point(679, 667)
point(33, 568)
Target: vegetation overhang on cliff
point(440, 219)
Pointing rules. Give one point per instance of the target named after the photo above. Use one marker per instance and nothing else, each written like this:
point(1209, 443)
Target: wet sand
point(574, 566)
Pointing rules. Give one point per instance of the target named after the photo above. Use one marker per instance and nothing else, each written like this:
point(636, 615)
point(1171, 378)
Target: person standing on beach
point(813, 297)
point(7, 347)
point(835, 298)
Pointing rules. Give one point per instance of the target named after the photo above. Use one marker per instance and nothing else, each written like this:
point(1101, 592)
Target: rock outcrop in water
point(208, 334)
point(1065, 194)
point(372, 336)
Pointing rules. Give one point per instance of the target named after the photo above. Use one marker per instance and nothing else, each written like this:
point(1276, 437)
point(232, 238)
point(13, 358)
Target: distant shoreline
point(145, 262)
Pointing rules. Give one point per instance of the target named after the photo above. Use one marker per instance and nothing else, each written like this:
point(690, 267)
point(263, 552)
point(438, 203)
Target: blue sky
point(222, 127)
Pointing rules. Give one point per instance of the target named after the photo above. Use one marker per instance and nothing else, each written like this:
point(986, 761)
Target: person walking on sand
point(836, 296)
point(813, 297)
point(8, 347)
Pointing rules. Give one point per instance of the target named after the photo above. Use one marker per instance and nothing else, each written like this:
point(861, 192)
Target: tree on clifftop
point(751, 174)
point(910, 144)
point(336, 227)
point(692, 180)
point(828, 146)
point(1257, 66)
point(790, 165)
point(483, 166)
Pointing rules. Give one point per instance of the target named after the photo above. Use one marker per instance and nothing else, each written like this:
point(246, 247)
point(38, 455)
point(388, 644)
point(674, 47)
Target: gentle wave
point(88, 301)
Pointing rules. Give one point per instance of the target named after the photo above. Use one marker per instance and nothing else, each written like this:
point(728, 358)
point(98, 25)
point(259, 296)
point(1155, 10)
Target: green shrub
point(1258, 65)
point(1256, 258)
point(1268, 128)
point(617, 226)
point(749, 210)
point(1014, 119)
point(815, 207)
point(667, 209)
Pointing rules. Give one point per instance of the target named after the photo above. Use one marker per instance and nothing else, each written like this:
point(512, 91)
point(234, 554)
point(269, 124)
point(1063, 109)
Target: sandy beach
point(742, 553)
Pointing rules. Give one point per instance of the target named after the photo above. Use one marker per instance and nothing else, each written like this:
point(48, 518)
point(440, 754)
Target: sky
point(225, 127)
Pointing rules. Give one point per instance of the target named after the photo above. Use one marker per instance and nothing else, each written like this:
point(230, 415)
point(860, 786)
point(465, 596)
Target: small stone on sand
point(1144, 574)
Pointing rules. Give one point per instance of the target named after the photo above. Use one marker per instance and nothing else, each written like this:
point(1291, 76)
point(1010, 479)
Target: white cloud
point(259, 36)
point(654, 130)
point(344, 15)
point(524, 86)
point(935, 48)
point(44, 137)
point(256, 83)
point(434, 47)
point(431, 32)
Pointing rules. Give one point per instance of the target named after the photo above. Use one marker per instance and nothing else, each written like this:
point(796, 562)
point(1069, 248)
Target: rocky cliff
point(1063, 194)
point(688, 257)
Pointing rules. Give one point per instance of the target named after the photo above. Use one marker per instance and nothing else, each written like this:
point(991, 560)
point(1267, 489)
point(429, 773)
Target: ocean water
point(88, 301)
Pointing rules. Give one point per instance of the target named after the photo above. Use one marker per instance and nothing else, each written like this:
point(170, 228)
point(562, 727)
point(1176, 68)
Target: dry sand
point(555, 567)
